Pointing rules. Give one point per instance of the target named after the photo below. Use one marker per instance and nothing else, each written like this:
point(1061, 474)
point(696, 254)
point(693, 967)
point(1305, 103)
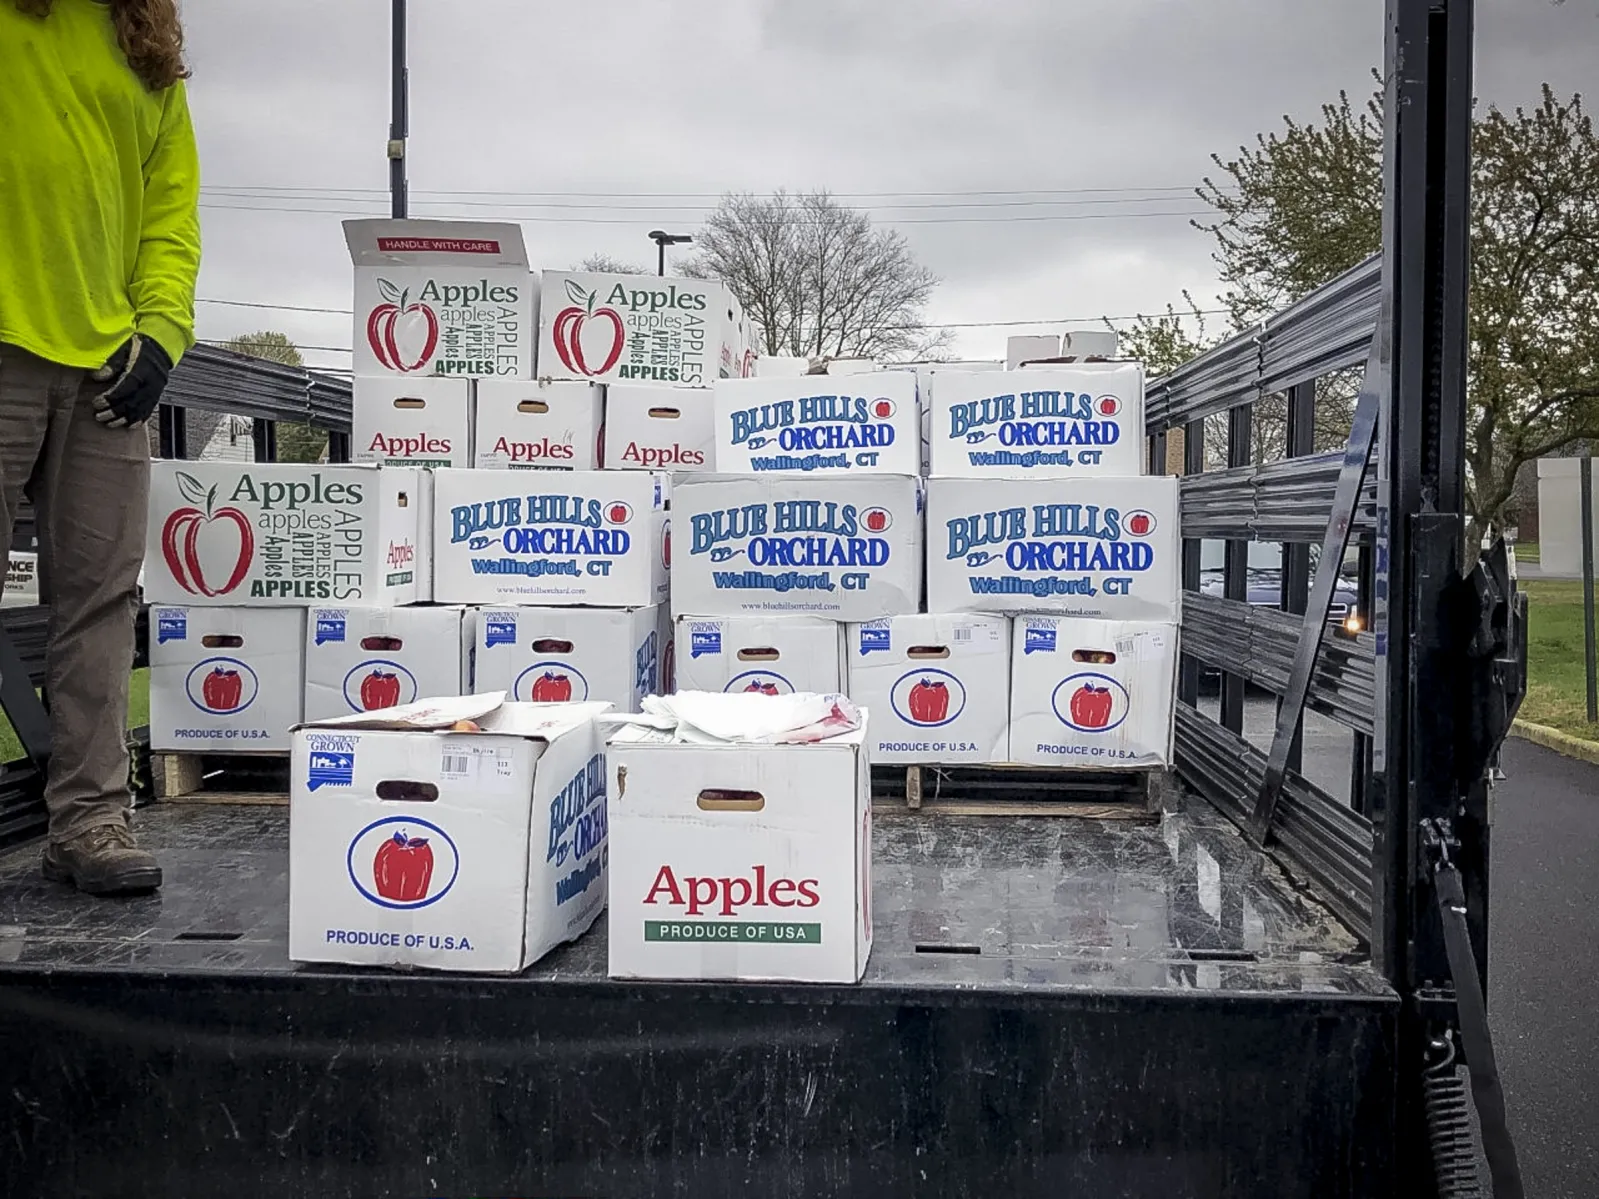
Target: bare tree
point(818, 279)
point(607, 264)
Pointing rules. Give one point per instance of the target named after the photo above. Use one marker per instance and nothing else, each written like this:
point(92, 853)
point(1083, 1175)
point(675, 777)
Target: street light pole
point(662, 240)
point(399, 118)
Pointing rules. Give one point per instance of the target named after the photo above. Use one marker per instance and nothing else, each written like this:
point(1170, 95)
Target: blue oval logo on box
point(1090, 702)
point(762, 681)
point(928, 698)
point(403, 862)
point(550, 682)
point(378, 683)
point(222, 686)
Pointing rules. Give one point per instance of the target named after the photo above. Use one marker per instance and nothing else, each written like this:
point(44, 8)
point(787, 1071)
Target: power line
point(562, 205)
point(688, 195)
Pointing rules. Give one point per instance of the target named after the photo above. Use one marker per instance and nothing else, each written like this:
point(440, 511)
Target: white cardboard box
point(845, 548)
point(528, 425)
point(447, 851)
point(359, 659)
point(819, 424)
point(638, 329)
point(777, 655)
point(1027, 347)
point(937, 686)
point(1052, 422)
point(740, 861)
point(225, 680)
point(416, 421)
point(1106, 548)
point(1096, 694)
point(272, 534)
point(779, 366)
point(546, 537)
point(653, 427)
point(568, 655)
point(442, 298)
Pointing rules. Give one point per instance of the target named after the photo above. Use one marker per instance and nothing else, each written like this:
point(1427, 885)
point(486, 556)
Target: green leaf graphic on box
point(389, 292)
point(191, 488)
point(210, 498)
point(575, 293)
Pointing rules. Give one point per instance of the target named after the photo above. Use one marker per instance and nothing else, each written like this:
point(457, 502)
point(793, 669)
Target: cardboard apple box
point(1095, 694)
point(270, 534)
point(638, 329)
point(651, 427)
point(528, 425)
point(845, 548)
point(937, 686)
point(361, 659)
point(225, 680)
point(819, 424)
point(1027, 346)
point(1053, 422)
point(739, 861)
point(569, 655)
point(598, 538)
point(399, 421)
point(1105, 548)
point(415, 847)
point(777, 655)
point(442, 298)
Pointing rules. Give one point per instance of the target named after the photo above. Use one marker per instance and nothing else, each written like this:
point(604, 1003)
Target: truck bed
point(1114, 1005)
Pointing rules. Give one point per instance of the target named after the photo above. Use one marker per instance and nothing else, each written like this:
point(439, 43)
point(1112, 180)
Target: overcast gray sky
point(591, 124)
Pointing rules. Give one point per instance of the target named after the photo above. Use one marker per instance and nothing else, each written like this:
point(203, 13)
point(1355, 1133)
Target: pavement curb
point(1561, 743)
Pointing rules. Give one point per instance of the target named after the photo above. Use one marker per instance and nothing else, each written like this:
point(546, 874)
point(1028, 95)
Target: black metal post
point(1193, 464)
point(660, 257)
point(400, 114)
point(172, 428)
point(1235, 566)
point(1587, 589)
point(1299, 440)
point(338, 447)
point(265, 435)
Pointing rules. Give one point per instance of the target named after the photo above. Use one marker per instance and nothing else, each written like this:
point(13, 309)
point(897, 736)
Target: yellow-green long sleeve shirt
point(99, 192)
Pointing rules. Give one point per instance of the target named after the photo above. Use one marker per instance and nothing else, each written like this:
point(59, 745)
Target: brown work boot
point(105, 860)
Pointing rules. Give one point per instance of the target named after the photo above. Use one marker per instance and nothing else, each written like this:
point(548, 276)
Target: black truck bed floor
point(1049, 1004)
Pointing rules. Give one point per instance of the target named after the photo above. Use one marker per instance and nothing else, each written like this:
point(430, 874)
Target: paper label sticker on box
point(362, 659)
point(1044, 422)
point(773, 655)
point(411, 422)
point(1105, 548)
point(819, 425)
point(447, 851)
point(1096, 694)
point(529, 425)
point(846, 548)
point(740, 861)
point(569, 655)
point(937, 686)
point(442, 298)
point(598, 538)
point(225, 680)
point(270, 534)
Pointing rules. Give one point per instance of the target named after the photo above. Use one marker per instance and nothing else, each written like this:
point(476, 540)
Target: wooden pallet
point(1021, 791)
point(220, 778)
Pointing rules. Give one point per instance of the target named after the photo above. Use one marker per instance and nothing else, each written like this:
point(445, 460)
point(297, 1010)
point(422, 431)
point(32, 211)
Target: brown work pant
point(89, 486)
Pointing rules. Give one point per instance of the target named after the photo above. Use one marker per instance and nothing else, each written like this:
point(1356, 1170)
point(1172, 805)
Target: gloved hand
point(138, 375)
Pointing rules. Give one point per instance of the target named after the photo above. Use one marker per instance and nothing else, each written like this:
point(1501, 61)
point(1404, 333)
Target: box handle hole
point(222, 641)
point(716, 799)
point(759, 653)
point(386, 644)
point(407, 791)
point(536, 407)
point(409, 402)
point(664, 413)
point(552, 645)
point(962, 949)
point(922, 652)
point(1095, 657)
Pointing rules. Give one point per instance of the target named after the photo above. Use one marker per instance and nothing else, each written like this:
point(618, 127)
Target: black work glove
point(138, 375)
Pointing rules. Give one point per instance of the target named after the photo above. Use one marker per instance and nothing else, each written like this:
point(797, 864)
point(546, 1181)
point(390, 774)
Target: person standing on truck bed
point(99, 250)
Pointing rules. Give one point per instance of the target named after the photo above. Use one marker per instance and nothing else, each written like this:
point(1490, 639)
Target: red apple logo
point(876, 519)
point(761, 688)
point(552, 688)
point(1140, 524)
point(380, 689)
point(402, 868)
point(181, 533)
point(1108, 405)
point(666, 546)
point(383, 332)
point(567, 331)
point(618, 513)
point(929, 702)
point(883, 409)
point(222, 689)
point(1091, 706)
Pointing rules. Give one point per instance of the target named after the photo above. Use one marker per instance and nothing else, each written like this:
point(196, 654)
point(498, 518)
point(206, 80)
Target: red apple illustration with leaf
point(384, 329)
point(402, 868)
point(552, 688)
point(180, 538)
point(222, 689)
point(1140, 524)
point(1109, 405)
point(567, 331)
point(380, 689)
point(761, 688)
point(875, 519)
point(928, 701)
point(1091, 706)
point(883, 409)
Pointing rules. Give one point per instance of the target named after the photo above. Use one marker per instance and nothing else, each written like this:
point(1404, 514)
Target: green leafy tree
point(1163, 343)
point(1305, 204)
point(296, 442)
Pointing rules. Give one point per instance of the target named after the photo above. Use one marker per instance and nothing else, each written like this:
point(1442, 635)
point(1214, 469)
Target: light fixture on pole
point(662, 240)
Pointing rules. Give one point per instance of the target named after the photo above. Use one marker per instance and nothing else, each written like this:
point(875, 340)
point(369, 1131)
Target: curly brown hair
point(149, 32)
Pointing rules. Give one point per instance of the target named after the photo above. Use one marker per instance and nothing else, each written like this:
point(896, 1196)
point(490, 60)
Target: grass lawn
point(1556, 694)
point(138, 714)
point(1526, 551)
